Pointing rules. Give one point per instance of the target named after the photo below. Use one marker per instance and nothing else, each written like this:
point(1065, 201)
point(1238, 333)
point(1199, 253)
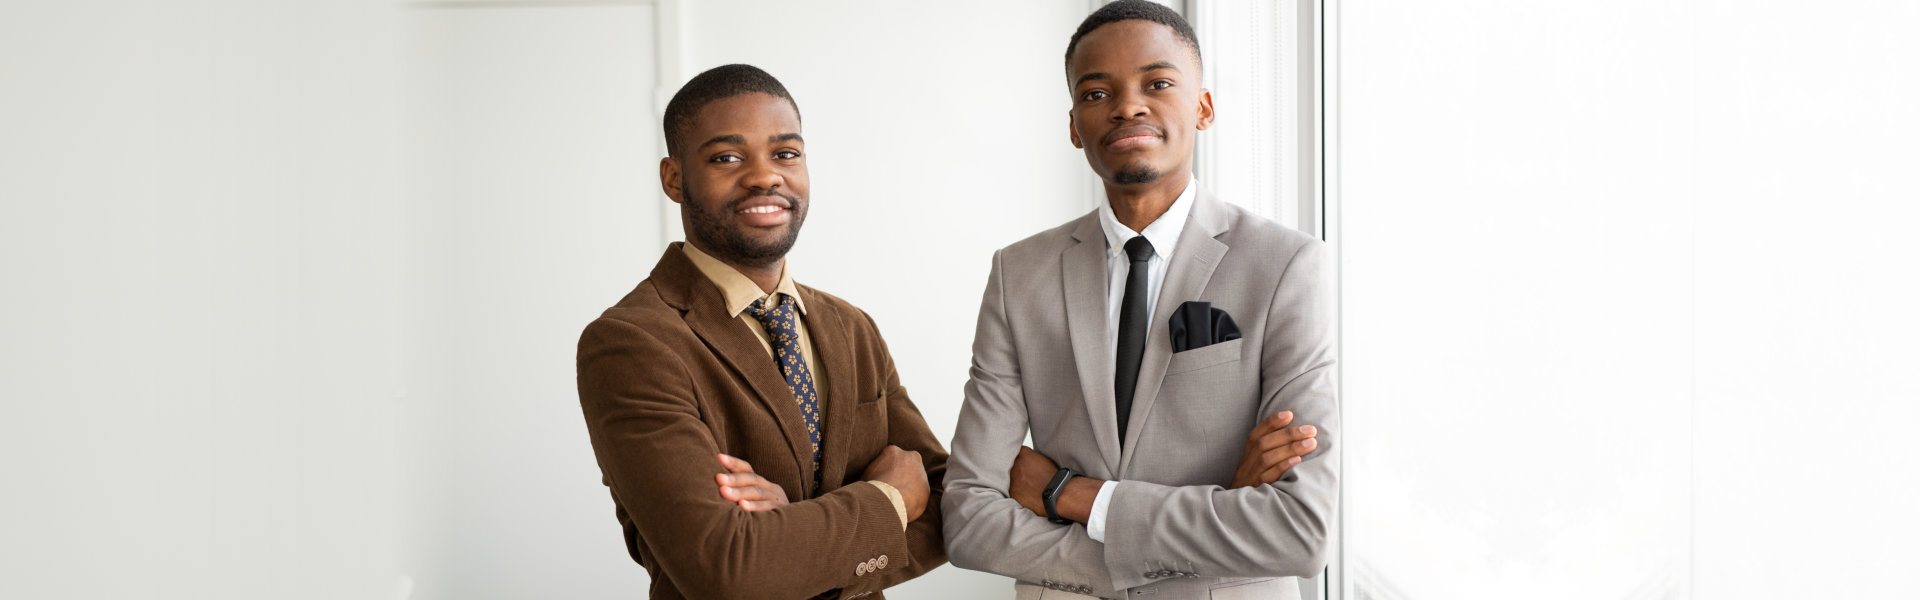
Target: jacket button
point(860, 570)
point(1152, 574)
point(1085, 590)
point(883, 561)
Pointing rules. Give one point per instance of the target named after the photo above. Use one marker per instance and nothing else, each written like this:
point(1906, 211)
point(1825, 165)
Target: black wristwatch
point(1051, 495)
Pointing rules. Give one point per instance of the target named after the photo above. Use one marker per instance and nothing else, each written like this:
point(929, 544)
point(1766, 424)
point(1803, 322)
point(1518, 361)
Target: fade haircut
point(1128, 10)
point(718, 83)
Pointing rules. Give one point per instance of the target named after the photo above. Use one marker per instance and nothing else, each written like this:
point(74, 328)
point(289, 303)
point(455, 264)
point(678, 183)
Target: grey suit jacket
point(1041, 364)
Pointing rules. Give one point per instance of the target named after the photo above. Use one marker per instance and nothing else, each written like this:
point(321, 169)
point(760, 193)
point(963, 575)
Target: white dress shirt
point(1163, 233)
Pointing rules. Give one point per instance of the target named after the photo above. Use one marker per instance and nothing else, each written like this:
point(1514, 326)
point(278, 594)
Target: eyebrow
point(1154, 66)
point(732, 138)
point(735, 138)
point(1157, 65)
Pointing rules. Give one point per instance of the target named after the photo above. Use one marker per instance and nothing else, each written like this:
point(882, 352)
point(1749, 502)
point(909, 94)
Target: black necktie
point(1133, 330)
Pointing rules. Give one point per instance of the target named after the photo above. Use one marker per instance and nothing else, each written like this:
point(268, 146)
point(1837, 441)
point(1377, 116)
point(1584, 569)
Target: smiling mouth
point(762, 210)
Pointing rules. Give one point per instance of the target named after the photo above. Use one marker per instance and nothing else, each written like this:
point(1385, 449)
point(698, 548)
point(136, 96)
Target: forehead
point(752, 112)
point(1122, 47)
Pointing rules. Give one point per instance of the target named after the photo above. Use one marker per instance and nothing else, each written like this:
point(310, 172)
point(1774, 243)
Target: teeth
point(762, 209)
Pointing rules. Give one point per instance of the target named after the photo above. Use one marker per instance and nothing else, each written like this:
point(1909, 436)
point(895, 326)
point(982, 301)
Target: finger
point(748, 492)
point(741, 480)
point(1270, 424)
point(757, 505)
point(1285, 436)
point(1280, 454)
point(735, 465)
point(1273, 473)
point(1299, 448)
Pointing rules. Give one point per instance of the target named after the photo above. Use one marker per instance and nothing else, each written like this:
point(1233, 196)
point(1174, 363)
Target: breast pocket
point(870, 430)
point(1206, 356)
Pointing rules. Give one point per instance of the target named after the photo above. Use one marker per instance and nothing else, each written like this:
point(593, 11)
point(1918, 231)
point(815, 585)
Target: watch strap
point(1051, 495)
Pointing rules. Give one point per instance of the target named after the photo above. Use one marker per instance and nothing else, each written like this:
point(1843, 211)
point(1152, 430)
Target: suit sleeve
point(986, 529)
point(659, 458)
point(908, 430)
point(1279, 529)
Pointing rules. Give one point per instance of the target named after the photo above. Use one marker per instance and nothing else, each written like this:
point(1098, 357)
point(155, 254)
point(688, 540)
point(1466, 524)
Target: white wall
point(1627, 292)
point(534, 207)
point(202, 239)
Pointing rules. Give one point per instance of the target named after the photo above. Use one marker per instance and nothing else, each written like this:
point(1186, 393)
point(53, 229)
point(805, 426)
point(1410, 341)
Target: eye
point(1160, 84)
point(1094, 95)
point(787, 154)
point(724, 158)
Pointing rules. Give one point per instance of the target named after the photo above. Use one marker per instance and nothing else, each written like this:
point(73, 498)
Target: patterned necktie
point(782, 325)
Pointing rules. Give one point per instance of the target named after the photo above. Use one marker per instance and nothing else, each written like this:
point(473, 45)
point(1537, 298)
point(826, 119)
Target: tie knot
point(768, 308)
point(1139, 249)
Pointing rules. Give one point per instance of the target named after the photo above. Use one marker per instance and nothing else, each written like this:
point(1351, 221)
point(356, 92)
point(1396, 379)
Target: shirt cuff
point(893, 495)
point(1097, 516)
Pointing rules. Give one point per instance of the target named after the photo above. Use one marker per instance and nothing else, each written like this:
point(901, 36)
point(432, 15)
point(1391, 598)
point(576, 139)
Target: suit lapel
point(1189, 269)
point(1084, 275)
point(833, 353)
point(706, 315)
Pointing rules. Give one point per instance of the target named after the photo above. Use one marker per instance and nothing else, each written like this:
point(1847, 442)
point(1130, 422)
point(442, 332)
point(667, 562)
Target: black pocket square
point(1198, 325)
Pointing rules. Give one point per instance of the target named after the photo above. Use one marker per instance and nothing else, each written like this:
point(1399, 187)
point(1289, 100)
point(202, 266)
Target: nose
point(1127, 106)
point(762, 175)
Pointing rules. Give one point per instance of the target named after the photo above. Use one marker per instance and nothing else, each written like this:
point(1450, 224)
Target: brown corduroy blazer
point(668, 379)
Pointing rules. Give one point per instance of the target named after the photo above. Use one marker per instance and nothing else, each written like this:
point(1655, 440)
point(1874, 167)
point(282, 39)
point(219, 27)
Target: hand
point(748, 489)
point(1028, 478)
point(903, 470)
point(1273, 448)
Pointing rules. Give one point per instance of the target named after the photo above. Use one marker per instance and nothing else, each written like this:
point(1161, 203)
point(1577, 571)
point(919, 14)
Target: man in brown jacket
point(755, 436)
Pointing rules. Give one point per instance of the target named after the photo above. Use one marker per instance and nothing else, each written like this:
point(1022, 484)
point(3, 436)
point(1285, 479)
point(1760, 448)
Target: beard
point(729, 242)
point(1132, 174)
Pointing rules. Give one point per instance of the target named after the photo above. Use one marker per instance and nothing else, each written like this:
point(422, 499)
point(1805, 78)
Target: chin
point(1135, 174)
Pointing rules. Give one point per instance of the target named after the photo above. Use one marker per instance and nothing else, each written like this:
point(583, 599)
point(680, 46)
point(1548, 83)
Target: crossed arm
point(1272, 448)
point(1274, 519)
point(661, 461)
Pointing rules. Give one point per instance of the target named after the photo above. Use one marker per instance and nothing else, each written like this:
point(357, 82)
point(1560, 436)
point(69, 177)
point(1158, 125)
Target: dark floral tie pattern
point(782, 324)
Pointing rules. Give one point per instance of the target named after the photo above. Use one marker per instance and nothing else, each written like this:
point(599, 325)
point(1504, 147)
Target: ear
point(670, 180)
point(1073, 133)
point(1206, 110)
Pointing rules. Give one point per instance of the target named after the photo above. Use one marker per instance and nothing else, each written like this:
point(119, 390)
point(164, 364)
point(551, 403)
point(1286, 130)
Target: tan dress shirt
point(740, 293)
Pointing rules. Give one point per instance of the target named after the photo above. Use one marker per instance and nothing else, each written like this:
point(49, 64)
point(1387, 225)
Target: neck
point(1138, 205)
point(765, 276)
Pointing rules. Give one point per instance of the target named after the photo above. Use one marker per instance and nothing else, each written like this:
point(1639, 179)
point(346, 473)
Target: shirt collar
point(1163, 232)
point(736, 290)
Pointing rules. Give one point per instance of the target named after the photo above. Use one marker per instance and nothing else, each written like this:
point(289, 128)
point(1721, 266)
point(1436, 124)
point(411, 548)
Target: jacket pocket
point(1205, 356)
point(1280, 588)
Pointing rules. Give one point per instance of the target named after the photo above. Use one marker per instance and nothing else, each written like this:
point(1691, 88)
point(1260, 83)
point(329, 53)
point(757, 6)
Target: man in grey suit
point(1158, 350)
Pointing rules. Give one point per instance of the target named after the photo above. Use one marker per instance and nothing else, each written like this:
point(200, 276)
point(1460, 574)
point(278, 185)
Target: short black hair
point(718, 83)
point(1127, 10)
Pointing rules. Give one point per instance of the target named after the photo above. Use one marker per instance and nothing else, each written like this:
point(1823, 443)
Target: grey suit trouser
point(1265, 588)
